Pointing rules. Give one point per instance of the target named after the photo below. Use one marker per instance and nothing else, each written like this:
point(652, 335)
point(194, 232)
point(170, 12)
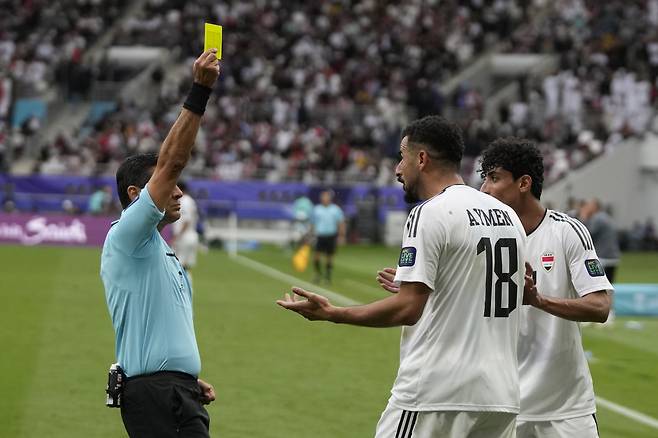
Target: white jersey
point(467, 247)
point(555, 380)
point(190, 216)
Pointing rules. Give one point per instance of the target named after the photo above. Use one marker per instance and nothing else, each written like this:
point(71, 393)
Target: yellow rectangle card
point(213, 38)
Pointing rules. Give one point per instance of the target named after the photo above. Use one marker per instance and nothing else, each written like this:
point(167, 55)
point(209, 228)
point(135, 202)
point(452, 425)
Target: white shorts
point(581, 427)
point(397, 423)
point(186, 249)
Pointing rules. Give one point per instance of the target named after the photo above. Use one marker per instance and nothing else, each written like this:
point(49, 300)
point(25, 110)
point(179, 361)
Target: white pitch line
point(628, 412)
point(282, 276)
point(363, 287)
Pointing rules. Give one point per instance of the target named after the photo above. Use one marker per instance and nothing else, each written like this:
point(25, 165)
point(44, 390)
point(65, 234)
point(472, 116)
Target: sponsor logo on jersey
point(594, 268)
point(407, 256)
point(547, 261)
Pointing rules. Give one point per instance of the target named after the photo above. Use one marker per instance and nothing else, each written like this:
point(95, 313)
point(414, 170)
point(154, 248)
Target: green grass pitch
point(276, 374)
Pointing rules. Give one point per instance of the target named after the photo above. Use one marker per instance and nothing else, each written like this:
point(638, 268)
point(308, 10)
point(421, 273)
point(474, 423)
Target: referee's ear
point(133, 192)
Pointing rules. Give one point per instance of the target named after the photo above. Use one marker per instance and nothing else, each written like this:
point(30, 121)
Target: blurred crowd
point(604, 89)
point(311, 90)
point(307, 89)
point(42, 42)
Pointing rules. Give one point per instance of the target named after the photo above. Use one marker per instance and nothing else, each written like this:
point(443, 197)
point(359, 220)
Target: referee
point(329, 226)
point(147, 290)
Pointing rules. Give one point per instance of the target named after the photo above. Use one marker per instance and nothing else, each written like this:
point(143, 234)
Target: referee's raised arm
point(175, 150)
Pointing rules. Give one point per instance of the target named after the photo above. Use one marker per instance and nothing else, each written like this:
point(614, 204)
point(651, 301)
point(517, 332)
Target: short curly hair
point(519, 156)
point(444, 138)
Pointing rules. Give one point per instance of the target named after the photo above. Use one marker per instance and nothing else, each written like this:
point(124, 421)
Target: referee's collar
point(131, 203)
point(127, 207)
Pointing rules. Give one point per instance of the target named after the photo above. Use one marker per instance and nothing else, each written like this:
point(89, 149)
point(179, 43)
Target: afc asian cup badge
point(547, 261)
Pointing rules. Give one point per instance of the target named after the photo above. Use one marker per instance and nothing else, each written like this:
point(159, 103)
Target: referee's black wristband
point(197, 98)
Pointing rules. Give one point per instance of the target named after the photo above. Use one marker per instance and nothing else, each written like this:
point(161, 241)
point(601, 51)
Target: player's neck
point(439, 184)
point(531, 213)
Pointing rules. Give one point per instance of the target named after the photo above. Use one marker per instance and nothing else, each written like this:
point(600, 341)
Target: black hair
point(134, 171)
point(443, 138)
point(519, 156)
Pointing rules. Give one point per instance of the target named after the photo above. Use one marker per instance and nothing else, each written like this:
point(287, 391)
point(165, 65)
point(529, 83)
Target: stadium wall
point(626, 178)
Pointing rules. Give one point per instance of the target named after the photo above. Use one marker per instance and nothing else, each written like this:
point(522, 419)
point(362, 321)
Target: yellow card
point(213, 38)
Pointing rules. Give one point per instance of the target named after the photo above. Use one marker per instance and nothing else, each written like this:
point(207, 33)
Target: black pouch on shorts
point(114, 390)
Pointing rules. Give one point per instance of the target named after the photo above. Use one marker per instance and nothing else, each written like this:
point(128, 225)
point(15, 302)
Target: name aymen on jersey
point(492, 217)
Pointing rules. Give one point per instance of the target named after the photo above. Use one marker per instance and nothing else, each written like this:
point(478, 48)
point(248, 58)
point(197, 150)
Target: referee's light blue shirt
point(148, 295)
point(326, 219)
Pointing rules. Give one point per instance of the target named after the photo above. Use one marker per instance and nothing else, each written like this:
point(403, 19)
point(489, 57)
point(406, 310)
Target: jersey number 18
point(495, 257)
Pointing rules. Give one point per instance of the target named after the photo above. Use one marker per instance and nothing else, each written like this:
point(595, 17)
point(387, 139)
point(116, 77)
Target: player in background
point(461, 278)
point(302, 212)
point(185, 239)
point(557, 396)
point(604, 235)
point(601, 227)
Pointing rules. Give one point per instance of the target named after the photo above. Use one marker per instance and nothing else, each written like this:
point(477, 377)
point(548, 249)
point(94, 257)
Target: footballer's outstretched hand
point(386, 278)
point(314, 308)
point(530, 294)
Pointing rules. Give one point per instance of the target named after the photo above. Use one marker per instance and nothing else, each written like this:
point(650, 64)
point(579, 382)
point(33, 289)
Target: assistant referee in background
point(148, 293)
point(328, 223)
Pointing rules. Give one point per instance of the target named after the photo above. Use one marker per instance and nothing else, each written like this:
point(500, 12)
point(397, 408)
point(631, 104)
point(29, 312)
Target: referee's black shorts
point(326, 244)
point(163, 405)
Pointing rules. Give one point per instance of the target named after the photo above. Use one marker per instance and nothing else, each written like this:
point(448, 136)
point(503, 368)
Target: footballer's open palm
point(315, 307)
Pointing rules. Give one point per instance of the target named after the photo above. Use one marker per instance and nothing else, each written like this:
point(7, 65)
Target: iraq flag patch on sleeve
point(594, 268)
point(407, 256)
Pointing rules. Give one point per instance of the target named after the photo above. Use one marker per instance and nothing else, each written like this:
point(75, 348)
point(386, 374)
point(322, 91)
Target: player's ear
point(525, 183)
point(423, 158)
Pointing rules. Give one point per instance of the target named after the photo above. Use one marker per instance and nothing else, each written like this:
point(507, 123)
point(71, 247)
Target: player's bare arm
point(386, 279)
point(175, 151)
point(593, 307)
point(403, 308)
